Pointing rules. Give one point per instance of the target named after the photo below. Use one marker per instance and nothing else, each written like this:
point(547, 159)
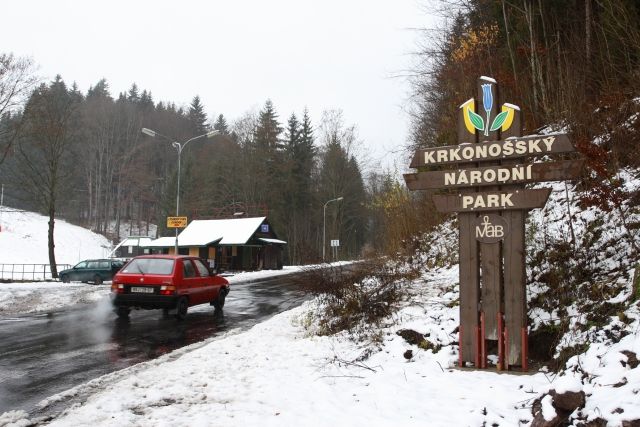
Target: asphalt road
point(44, 354)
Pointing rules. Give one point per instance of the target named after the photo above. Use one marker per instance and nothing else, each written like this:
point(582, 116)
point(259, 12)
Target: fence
point(26, 272)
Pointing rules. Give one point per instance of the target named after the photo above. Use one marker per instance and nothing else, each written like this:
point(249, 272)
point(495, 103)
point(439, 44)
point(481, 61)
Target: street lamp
point(324, 223)
point(178, 146)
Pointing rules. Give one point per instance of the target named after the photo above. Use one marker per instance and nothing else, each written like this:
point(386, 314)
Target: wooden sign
point(492, 201)
point(533, 145)
point(492, 205)
point(495, 175)
point(176, 221)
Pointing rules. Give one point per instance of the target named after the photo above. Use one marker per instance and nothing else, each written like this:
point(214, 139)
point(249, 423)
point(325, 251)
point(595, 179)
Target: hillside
point(23, 240)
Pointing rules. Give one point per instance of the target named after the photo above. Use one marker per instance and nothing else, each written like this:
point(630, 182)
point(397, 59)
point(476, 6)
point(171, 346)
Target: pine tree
point(100, 90)
point(146, 101)
point(306, 131)
point(221, 125)
point(133, 95)
point(292, 137)
point(299, 155)
point(268, 130)
point(197, 117)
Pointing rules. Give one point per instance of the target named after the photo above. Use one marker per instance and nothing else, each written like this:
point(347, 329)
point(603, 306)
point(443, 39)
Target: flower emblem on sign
point(474, 121)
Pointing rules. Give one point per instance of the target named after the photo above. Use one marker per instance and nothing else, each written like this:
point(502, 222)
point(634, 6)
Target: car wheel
point(64, 278)
point(219, 302)
point(181, 308)
point(97, 280)
point(123, 312)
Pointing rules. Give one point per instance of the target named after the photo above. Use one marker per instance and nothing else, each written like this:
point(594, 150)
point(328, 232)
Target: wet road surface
point(44, 354)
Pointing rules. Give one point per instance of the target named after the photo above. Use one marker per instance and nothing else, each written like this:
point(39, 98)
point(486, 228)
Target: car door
point(191, 282)
point(89, 273)
point(78, 271)
point(104, 269)
point(209, 291)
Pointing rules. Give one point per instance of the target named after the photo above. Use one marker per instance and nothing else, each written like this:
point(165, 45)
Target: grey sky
point(235, 54)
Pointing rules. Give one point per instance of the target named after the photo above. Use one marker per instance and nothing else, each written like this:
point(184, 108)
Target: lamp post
point(179, 147)
point(324, 223)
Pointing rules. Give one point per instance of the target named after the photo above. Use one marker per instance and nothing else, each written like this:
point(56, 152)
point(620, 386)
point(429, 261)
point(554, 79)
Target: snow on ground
point(280, 374)
point(23, 240)
point(33, 297)
point(277, 374)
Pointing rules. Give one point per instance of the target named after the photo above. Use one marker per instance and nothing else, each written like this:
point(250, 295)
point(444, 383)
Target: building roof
point(203, 232)
point(142, 241)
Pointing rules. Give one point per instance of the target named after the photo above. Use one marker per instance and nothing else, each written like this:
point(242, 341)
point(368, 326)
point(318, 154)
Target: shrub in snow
point(356, 299)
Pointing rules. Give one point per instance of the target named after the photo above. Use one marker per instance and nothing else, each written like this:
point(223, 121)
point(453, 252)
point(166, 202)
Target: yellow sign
point(176, 221)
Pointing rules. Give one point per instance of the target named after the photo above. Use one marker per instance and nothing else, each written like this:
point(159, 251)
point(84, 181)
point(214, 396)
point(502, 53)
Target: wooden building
point(228, 244)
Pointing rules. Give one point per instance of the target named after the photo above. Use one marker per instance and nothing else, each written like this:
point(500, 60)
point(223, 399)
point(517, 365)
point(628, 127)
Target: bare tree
point(45, 150)
point(16, 82)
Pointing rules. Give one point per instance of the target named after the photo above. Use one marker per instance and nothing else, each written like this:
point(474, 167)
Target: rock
point(408, 354)
point(411, 336)
point(568, 401)
point(632, 423)
point(538, 417)
point(632, 359)
point(598, 422)
point(564, 404)
point(416, 338)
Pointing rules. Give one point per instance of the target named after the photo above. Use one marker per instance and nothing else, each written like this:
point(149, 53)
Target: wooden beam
point(495, 175)
point(492, 201)
point(512, 148)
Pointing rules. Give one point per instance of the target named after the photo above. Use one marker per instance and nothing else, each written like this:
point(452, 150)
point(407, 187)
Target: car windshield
point(150, 266)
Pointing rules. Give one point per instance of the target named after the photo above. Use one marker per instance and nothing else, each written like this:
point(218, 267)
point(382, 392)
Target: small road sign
point(176, 221)
point(335, 243)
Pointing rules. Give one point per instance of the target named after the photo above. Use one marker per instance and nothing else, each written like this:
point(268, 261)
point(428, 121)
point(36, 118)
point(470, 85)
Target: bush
point(357, 297)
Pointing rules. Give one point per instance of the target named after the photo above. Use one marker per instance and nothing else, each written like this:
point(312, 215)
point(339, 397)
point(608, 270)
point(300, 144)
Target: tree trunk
point(51, 244)
point(506, 30)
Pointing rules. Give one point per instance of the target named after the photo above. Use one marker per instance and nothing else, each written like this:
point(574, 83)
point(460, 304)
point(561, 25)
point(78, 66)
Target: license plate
point(142, 289)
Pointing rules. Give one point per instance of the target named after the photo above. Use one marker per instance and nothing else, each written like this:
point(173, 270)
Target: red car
point(169, 282)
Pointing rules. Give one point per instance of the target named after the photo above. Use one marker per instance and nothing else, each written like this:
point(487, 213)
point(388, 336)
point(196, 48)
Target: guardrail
point(28, 272)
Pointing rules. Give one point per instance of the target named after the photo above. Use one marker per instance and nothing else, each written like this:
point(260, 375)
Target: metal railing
point(28, 272)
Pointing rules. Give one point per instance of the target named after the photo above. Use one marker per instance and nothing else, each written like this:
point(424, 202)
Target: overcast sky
point(323, 54)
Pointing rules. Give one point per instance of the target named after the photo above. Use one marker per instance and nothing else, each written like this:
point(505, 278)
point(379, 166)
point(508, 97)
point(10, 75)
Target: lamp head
point(212, 133)
point(149, 132)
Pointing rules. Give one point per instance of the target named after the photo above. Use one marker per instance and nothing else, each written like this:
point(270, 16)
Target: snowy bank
point(33, 297)
point(23, 240)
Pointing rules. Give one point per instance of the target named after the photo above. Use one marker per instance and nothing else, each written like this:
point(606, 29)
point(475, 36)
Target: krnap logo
point(490, 228)
point(474, 121)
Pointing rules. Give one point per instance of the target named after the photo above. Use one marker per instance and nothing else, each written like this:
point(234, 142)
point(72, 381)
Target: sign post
point(491, 166)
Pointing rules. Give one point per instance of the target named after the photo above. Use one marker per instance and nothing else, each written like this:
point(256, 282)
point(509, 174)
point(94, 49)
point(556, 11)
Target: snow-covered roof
point(136, 241)
point(277, 241)
point(236, 231)
point(162, 242)
point(142, 241)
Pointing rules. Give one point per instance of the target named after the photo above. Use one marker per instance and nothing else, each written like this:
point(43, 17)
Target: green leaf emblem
point(499, 120)
point(475, 119)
